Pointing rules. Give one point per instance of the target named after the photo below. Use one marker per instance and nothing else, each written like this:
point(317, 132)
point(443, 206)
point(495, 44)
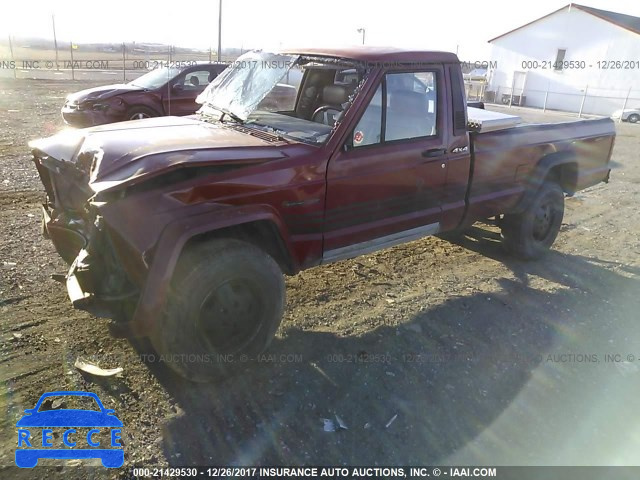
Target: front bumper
point(87, 118)
point(95, 275)
point(96, 280)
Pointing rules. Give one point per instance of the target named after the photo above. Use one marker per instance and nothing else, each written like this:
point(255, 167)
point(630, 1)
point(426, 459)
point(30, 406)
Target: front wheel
point(633, 118)
point(531, 233)
point(140, 112)
point(227, 301)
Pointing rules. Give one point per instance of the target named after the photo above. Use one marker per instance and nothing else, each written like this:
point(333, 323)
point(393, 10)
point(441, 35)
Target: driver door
point(384, 187)
point(181, 98)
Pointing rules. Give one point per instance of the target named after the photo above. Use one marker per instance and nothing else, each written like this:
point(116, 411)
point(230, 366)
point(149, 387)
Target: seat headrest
point(334, 95)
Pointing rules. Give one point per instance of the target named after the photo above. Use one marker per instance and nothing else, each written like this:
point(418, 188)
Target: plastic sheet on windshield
point(241, 87)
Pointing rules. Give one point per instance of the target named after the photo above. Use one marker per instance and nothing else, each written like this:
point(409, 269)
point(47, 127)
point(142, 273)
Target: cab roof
point(378, 54)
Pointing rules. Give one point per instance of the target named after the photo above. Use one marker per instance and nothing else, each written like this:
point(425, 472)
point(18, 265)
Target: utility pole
point(219, 30)
point(13, 59)
point(55, 40)
point(362, 31)
point(73, 72)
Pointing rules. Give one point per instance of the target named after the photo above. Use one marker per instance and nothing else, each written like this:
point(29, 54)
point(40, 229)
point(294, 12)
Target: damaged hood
point(125, 153)
point(101, 93)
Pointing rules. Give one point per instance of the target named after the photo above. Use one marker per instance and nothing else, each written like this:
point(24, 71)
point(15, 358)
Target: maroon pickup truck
point(184, 227)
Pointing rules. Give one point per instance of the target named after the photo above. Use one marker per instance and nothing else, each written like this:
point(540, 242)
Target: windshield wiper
point(226, 112)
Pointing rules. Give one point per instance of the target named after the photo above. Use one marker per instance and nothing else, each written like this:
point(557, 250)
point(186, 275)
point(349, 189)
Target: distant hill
point(142, 48)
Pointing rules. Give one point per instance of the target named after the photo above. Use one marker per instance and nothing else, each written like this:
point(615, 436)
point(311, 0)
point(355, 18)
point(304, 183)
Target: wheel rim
point(139, 116)
point(543, 220)
point(229, 317)
point(633, 118)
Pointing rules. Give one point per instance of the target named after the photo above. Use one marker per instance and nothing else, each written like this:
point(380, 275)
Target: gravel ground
point(478, 358)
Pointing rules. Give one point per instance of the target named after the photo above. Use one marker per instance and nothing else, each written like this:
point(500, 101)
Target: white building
point(575, 59)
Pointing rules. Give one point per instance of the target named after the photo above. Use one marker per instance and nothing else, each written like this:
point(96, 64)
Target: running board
point(387, 241)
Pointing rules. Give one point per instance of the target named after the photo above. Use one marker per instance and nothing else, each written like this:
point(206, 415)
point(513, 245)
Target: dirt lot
point(478, 357)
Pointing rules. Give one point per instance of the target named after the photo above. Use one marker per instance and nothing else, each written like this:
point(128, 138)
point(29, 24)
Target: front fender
point(171, 244)
point(150, 100)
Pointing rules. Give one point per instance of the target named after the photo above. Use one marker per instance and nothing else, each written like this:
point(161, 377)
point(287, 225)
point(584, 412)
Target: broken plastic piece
point(341, 423)
point(329, 426)
point(95, 370)
point(393, 419)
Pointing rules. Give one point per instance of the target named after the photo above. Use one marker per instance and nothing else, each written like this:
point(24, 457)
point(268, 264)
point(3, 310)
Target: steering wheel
point(324, 109)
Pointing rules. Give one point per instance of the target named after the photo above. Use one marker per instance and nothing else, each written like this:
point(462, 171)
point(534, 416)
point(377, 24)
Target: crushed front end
point(96, 280)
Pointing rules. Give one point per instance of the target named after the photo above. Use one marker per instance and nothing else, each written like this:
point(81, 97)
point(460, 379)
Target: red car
point(163, 91)
point(188, 224)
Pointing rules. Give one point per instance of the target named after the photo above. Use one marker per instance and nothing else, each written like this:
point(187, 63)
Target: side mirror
point(177, 87)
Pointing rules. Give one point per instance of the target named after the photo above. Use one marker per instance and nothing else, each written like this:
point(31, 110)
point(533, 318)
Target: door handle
point(434, 152)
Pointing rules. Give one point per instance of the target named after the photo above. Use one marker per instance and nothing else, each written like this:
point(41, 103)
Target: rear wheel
point(140, 112)
point(226, 304)
point(634, 118)
point(531, 233)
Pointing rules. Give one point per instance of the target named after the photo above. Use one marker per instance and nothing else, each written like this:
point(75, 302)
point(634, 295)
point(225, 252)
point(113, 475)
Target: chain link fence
point(121, 63)
point(581, 100)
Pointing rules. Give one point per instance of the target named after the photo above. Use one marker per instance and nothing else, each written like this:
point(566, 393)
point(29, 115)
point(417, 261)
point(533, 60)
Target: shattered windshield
point(296, 97)
point(240, 88)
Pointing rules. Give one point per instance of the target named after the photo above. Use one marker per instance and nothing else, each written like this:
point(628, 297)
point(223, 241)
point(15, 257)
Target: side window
point(369, 128)
point(411, 105)
point(197, 80)
point(410, 110)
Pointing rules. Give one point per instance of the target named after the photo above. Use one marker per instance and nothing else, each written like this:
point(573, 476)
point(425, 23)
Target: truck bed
point(504, 161)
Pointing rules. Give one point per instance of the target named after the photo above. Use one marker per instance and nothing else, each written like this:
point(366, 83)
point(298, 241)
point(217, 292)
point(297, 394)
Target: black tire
point(633, 118)
point(219, 285)
point(139, 112)
point(531, 233)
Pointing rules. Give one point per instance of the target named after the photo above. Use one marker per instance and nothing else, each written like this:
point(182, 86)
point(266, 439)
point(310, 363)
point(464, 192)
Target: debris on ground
point(393, 419)
point(341, 423)
point(329, 426)
point(95, 370)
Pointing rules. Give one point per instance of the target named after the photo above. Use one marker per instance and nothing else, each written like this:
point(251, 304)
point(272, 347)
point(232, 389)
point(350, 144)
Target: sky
point(451, 25)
